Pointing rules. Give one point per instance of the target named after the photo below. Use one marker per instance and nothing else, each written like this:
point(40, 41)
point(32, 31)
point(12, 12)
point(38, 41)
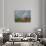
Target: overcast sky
point(22, 13)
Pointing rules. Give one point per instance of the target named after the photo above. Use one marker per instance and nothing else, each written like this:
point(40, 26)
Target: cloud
point(23, 13)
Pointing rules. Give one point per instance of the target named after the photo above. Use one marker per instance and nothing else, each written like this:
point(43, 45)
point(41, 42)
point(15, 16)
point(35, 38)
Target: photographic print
point(22, 16)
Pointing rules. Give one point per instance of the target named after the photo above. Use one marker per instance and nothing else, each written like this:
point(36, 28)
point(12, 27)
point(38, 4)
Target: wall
point(1, 14)
point(36, 15)
point(44, 18)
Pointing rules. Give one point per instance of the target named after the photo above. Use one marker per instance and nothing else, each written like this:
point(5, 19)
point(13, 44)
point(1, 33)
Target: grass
point(23, 20)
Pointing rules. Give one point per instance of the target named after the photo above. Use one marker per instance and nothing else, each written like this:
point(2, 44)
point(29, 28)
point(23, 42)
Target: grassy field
point(23, 19)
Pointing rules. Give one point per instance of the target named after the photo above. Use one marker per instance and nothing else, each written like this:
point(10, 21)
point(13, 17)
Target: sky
point(22, 13)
